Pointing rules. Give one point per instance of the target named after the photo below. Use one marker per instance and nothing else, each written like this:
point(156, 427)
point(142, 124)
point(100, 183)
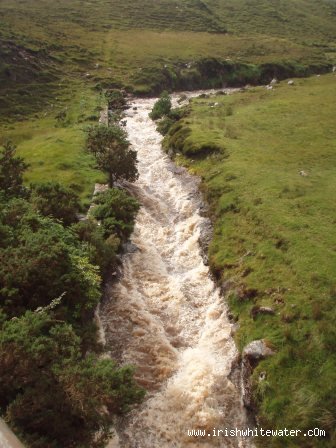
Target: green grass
point(274, 240)
point(54, 149)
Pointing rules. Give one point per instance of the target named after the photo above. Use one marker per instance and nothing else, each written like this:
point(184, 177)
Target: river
point(165, 315)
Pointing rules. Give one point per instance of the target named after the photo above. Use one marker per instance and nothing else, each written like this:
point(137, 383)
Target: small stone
point(262, 376)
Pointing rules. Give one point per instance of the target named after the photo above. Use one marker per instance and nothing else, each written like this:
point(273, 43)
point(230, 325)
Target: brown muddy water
point(165, 315)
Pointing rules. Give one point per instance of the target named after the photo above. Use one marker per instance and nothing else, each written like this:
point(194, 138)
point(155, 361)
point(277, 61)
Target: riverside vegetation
point(56, 390)
point(267, 162)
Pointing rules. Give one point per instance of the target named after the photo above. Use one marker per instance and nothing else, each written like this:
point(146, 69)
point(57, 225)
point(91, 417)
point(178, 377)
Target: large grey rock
point(257, 350)
point(254, 352)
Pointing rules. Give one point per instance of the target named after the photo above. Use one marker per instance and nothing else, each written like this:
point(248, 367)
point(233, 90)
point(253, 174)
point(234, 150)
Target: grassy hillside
point(268, 163)
point(53, 143)
point(53, 51)
point(41, 41)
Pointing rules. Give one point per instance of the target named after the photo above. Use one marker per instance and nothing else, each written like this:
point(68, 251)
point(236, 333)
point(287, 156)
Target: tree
point(112, 151)
point(12, 169)
point(55, 200)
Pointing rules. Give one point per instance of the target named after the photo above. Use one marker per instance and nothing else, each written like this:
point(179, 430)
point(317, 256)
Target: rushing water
point(165, 315)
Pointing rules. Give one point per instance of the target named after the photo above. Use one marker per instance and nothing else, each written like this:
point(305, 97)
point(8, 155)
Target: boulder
point(257, 350)
point(254, 352)
point(130, 248)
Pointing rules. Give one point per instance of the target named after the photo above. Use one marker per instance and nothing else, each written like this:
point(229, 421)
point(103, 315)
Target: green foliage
point(41, 260)
point(52, 392)
point(44, 376)
point(167, 121)
point(115, 99)
point(102, 252)
point(112, 151)
point(54, 200)
point(116, 210)
point(161, 107)
point(164, 125)
point(12, 169)
point(271, 199)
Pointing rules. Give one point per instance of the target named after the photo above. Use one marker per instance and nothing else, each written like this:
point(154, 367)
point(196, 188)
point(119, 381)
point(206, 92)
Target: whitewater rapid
point(165, 314)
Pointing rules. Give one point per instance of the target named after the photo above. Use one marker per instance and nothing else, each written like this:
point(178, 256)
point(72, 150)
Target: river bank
point(269, 183)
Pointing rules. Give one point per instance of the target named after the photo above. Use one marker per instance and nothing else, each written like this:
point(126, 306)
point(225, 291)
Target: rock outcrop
point(252, 354)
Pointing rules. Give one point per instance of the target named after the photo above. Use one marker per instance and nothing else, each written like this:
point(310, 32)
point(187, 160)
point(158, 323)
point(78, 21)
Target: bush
point(102, 252)
point(40, 260)
point(167, 121)
point(53, 199)
point(12, 169)
point(50, 392)
point(164, 125)
point(161, 107)
point(116, 210)
point(115, 99)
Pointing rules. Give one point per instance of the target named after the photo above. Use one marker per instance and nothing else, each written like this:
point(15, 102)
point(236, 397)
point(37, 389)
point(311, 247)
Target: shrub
point(115, 99)
point(50, 392)
point(12, 169)
point(55, 200)
point(116, 210)
point(102, 252)
point(165, 124)
point(40, 260)
point(161, 107)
